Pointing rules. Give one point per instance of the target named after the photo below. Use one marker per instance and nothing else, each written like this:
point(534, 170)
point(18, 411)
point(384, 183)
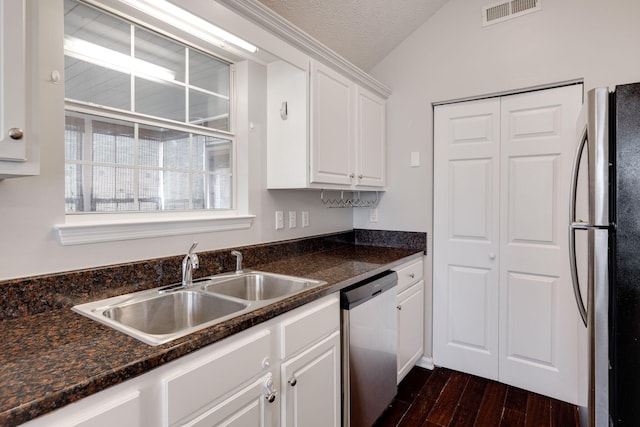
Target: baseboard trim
point(426, 362)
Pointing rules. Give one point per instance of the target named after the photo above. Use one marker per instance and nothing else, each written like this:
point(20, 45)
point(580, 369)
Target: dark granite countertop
point(55, 357)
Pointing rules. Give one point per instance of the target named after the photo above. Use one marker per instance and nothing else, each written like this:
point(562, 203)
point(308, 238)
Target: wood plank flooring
point(444, 398)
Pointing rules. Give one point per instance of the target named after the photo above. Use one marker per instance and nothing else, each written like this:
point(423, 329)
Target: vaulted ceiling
point(362, 31)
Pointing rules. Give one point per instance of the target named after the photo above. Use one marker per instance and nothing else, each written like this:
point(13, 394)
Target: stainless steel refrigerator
point(606, 176)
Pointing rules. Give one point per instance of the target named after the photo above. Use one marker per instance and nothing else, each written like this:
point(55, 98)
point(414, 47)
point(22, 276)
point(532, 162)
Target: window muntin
point(122, 150)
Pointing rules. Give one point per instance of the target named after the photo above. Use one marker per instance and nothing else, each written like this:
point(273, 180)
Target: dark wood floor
point(443, 397)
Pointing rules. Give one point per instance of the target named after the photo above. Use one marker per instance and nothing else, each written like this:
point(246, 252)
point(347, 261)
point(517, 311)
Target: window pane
point(113, 142)
point(160, 99)
point(73, 131)
point(105, 87)
point(73, 196)
point(149, 190)
point(198, 191)
point(219, 192)
point(176, 191)
point(162, 52)
point(208, 73)
point(218, 155)
point(89, 24)
point(164, 148)
point(113, 189)
point(94, 45)
point(208, 110)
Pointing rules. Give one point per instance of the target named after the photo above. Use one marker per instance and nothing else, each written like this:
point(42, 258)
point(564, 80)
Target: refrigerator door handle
point(573, 226)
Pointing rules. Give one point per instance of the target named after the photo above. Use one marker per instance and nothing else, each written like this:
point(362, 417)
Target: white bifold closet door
point(503, 302)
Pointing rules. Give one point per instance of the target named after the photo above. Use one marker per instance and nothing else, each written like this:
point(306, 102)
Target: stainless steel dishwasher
point(369, 349)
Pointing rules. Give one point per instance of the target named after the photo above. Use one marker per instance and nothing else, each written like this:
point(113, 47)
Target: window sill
point(79, 232)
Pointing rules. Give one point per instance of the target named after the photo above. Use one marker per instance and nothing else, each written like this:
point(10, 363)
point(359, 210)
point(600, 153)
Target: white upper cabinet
point(370, 139)
point(332, 127)
point(333, 138)
point(14, 135)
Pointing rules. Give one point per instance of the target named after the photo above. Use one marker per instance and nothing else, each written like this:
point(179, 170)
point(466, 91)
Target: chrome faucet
point(238, 256)
point(189, 263)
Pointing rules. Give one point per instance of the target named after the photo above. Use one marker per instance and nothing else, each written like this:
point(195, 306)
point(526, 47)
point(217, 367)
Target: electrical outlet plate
point(293, 219)
point(305, 218)
point(373, 215)
point(279, 220)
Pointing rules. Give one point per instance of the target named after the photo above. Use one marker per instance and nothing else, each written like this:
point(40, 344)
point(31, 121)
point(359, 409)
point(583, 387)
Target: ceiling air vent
point(499, 12)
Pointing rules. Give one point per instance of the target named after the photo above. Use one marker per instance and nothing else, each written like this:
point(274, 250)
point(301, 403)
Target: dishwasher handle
point(363, 291)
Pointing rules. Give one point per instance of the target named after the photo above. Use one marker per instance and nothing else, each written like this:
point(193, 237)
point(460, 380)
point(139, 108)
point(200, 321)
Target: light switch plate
point(279, 220)
point(304, 218)
point(415, 159)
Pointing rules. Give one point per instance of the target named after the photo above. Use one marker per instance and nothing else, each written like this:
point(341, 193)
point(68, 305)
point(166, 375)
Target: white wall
point(452, 56)
point(30, 207)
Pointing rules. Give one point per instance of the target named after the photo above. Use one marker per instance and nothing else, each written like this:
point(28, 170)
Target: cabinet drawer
point(195, 387)
point(408, 274)
point(310, 325)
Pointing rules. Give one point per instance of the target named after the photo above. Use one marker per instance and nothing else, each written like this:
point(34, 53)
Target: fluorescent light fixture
point(186, 21)
point(99, 55)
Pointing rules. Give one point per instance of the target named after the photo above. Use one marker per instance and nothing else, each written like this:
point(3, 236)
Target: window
point(148, 124)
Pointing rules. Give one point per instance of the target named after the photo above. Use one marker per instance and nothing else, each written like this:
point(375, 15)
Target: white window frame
point(96, 227)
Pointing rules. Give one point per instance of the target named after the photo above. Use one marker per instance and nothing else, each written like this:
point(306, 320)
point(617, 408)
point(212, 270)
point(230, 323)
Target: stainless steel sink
point(173, 312)
point(157, 316)
point(259, 286)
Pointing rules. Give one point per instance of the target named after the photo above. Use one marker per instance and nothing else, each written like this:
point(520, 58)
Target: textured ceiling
point(362, 31)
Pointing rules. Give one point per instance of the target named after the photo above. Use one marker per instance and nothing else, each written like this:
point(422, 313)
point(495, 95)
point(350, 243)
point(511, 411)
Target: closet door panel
point(538, 327)
point(466, 180)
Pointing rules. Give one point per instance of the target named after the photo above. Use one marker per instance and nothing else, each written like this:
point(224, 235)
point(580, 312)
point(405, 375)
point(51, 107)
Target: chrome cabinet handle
point(293, 381)
point(351, 175)
point(271, 391)
point(360, 176)
point(492, 255)
point(412, 275)
point(16, 133)
point(399, 307)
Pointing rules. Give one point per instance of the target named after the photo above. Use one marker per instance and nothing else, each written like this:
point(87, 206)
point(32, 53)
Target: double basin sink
point(157, 316)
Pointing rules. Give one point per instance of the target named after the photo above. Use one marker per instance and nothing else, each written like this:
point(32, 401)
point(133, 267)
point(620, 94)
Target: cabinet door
point(12, 82)
point(370, 139)
point(248, 407)
point(466, 236)
point(331, 127)
point(200, 382)
point(311, 386)
point(410, 327)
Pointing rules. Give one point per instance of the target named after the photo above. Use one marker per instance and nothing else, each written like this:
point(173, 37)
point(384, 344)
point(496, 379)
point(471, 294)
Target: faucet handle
point(193, 246)
point(238, 256)
point(195, 262)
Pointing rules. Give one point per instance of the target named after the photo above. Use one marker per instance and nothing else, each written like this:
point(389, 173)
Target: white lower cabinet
point(311, 386)
point(208, 387)
point(410, 305)
point(243, 380)
point(123, 405)
point(248, 407)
